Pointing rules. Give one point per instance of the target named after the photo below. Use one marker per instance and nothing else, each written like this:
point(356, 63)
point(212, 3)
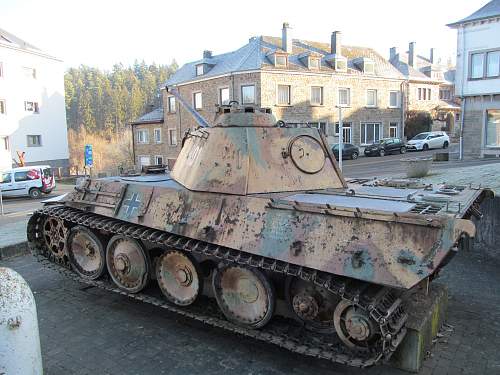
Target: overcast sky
point(103, 32)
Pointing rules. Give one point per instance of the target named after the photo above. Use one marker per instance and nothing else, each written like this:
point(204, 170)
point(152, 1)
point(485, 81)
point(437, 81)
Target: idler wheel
point(179, 277)
point(128, 263)
point(54, 236)
point(354, 326)
point(312, 305)
point(86, 253)
point(245, 295)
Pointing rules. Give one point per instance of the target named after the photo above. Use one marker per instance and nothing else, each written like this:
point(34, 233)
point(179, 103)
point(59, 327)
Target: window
point(371, 98)
point(29, 72)
point(394, 99)
point(457, 117)
point(316, 95)
point(341, 64)
point(424, 93)
point(199, 69)
point(444, 94)
point(393, 130)
point(159, 160)
point(1, 69)
point(5, 178)
point(248, 94)
point(142, 136)
point(314, 63)
point(280, 60)
point(2, 107)
point(319, 125)
point(31, 107)
point(283, 94)
point(476, 65)
point(493, 128)
point(428, 94)
point(4, 143)
point(34, 140)
point(370, 132)
point(346, 127)
point(224, 96)
point(344, 97)
point(493, 64)
point(23, 176)
point(171, 104)
point(157, 135)
point(197, 100)
point(369, 68)
point(144, 161)
point(172, 135)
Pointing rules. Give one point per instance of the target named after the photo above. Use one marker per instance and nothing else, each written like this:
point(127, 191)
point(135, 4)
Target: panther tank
point(256, 231)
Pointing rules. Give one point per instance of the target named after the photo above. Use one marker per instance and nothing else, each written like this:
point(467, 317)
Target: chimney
point(432, 56)
point(286, 38)
point(393, 51)
point(207, 54)
point(336, 43)
point(411, 54)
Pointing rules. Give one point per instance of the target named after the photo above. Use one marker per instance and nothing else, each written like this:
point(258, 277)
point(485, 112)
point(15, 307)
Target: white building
point(478, 80)
point(32, 107)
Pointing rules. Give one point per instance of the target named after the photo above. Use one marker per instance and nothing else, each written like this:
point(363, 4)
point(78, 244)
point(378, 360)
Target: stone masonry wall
point(151, 148)
point(414, 104)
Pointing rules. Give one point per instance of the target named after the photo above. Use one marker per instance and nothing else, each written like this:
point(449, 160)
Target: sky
point(100, 33)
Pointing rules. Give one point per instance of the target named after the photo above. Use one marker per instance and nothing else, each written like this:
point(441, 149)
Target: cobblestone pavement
point(89, 331)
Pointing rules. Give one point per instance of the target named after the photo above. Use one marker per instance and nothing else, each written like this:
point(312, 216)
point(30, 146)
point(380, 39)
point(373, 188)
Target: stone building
point(478, 81)
point(149, 138)
point(429, 86)
point(303, 82)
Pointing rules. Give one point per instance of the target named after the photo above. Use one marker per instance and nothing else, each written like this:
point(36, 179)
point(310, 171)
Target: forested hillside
point(107, 100)
point(100, 105)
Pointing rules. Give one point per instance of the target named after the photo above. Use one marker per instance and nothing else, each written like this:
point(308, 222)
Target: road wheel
point(425, 147)
point(86, 253)
point(381, 152)
point(402, 150)
point(445, 144)
point(354, 155)
point(35, 193)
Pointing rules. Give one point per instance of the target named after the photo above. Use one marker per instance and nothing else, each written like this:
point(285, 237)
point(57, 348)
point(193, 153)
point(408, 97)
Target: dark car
point(349, 151)
point(386, 146)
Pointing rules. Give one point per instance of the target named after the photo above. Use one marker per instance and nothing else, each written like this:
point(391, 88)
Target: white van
point(32, 181)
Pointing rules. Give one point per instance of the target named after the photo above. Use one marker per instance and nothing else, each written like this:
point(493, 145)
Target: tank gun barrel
point(198, 118)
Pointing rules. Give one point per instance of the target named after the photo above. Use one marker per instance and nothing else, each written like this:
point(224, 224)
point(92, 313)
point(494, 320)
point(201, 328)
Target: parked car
point(349, 151)
point(428, 140)
point(386, 146)
point(32, 181)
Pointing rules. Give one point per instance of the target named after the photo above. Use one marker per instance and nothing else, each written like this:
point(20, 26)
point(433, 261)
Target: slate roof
point(155, 116)
point(400, 62)
point(255, 55)
point(490, 10)
point(10, 40)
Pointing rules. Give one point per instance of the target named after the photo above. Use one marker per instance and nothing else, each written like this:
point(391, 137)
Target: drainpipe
point(462, 122)
point(403, 103)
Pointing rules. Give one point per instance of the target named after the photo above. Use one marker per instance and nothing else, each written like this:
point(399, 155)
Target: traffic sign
point(89, 157)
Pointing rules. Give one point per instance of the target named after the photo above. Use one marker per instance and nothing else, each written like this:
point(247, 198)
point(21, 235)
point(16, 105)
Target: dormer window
point(199, 69)
point(280, 60)
point(341, 64)
point(365, 64)
point(369, 67)
point(314, 63)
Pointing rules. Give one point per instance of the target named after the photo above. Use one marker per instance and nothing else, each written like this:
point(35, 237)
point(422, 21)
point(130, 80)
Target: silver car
point(428, 140)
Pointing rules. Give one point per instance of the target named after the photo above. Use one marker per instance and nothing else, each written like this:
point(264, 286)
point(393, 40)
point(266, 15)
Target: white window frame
point(394, 125)
point(375, 101)
point(156, 159)
point(318, 60)
point(33, 105)
point(39, 137)
point(3, 107)
point(5, 143)
point(497, 145)
point(139, 157)
point(381, 131)
point(145, 139)
point(155, 132)
point(195, 102)
point(289, 95)
point(254, 93)
point(172, 141)
point(228, 95)
point(397, 99)
point(171, 103)
point(348, 97)
point(29, 72)
point(317, 125)
point(322, 100)
point(346, 127)
point(198, 72)
point(276, 56)
point(1, 69)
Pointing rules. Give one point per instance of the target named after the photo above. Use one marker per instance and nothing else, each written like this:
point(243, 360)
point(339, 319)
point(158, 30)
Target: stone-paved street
point(89, 331)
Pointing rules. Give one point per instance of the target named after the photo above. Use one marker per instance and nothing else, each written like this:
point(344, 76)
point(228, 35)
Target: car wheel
point(35, 193)
point(354, 155)
point(381, 153)
point(445, 144)
point(402, 150)
point(425, 147)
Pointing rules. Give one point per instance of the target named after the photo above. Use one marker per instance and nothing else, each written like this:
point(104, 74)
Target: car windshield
point(420, 136)
point(335, 147)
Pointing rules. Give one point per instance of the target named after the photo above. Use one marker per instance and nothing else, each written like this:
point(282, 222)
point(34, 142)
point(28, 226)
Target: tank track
point(383, 306)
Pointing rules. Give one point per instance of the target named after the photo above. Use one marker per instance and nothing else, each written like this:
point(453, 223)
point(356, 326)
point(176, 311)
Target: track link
point(381, 303)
